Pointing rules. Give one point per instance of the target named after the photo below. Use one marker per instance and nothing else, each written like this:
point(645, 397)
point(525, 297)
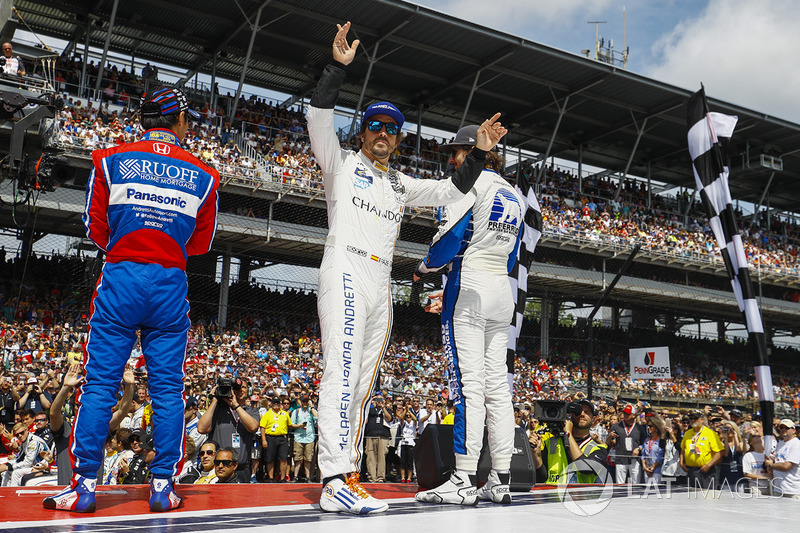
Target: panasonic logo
point(155, 200)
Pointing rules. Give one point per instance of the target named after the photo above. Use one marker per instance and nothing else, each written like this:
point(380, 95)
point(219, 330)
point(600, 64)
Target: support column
point(372, 61)
point(561, 110)
point(639, 133)
point(84, 81)
point(245, 265)
point(580, 169)
point(469, 99)
point(213, 99)
point(246, 63)
point(761, 200)
point(721, 330)
point(105, 48)
point(544, 327)
point(419, 131)
point(224, 286)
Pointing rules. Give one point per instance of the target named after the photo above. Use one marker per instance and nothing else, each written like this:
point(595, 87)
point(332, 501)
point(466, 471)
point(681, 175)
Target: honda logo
point(161, 148)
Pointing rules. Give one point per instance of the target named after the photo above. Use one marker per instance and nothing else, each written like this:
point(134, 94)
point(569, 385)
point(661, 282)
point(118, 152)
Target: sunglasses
point(41, 420)
point(784, 427)
point(21, 433)
point(207, 452)
point(376, 125)
point(223, 462)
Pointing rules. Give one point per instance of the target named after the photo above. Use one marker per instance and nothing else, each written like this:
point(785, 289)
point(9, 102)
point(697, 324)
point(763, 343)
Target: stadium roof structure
point(556, 103)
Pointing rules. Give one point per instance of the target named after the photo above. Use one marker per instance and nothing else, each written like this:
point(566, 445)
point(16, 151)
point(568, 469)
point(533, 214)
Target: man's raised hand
point(342, 52)
point(490, 133)
point(73, 377)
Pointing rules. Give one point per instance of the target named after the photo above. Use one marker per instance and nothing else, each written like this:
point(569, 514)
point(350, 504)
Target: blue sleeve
point(448, 246)
point(512, 258)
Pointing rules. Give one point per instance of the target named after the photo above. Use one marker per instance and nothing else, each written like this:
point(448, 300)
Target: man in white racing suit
point(365, 202)
point(478, 239)
point(30, 455)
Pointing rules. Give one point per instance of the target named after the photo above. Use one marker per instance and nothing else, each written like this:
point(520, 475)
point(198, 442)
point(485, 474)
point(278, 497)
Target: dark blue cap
point(384, 108)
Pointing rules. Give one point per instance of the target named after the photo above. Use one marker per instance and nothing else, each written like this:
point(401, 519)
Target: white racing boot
point(340, 496)
point(496, 489)
point(459, 490)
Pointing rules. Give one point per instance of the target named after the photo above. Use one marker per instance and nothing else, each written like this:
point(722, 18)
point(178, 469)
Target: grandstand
point(273, 217)
point(622, 178)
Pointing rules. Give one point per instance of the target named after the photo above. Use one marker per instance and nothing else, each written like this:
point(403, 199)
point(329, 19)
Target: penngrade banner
point(650, 363)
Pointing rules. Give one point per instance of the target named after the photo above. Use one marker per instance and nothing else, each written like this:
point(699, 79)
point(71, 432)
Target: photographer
point(34, 399)
point(576, 437)
point(229, 423)
point(733, 450)
point(11, 64)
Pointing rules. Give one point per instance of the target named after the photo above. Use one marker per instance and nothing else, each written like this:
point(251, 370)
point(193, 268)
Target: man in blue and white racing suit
point(365, 200)
point(479, 240)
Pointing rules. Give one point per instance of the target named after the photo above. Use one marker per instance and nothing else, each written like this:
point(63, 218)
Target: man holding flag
point(479, 240)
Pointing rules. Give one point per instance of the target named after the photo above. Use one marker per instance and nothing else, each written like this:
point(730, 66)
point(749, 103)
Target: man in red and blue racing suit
point(365, 200)
point(149, 205)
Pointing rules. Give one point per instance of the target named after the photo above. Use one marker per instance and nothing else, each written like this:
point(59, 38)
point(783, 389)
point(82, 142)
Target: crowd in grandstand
point(273, 361)
point(594, 214)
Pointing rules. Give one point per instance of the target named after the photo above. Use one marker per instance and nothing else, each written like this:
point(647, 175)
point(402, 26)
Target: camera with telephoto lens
point(224, 388)
point(549, 411)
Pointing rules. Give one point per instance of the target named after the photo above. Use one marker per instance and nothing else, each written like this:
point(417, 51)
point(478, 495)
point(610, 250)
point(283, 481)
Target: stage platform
point(266, 507)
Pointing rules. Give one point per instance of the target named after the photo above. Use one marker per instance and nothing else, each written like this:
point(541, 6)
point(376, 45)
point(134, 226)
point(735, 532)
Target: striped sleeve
point(206, 221)
point(95, 214)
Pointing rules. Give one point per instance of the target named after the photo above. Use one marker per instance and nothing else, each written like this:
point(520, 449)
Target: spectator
point(206, 474)
point(9, 398)
point(275, 441)
point(121, 445)
point(652, 450)
point(226, 466)
point(30, 454)
point(376, 438)
point(785, 462)
point(12, 65)
point(733, 449)
point(303, 422)
point(753, 466)
point(34, 399)
point(192, 418)
point(407, 433)
point(701, 451)
point(137, 471)
point(627, 436)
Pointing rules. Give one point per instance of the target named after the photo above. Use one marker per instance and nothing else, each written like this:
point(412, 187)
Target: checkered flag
point(531, 232)
point(709, 134)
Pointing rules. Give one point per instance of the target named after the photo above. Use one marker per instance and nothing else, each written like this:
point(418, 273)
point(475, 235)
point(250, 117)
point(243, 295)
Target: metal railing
point(266, 175)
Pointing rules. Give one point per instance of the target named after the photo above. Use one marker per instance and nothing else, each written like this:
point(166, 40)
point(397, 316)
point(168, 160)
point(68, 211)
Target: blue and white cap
point(384, 108)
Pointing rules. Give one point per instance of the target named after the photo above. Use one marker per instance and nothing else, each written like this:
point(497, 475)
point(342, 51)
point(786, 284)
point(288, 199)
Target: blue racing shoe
point(163, 496)
point(78, 497)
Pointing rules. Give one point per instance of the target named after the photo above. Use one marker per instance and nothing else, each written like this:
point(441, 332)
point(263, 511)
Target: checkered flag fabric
point(709, 135)
point(531, 232)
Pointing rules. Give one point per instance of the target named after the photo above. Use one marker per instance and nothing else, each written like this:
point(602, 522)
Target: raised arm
point(434, 193)
point(321, 132)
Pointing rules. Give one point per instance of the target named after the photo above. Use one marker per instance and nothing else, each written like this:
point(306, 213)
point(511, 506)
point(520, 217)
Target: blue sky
point(744, 52)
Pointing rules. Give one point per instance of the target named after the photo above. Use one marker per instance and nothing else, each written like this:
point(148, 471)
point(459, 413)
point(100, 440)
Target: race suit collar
point(161, 134)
